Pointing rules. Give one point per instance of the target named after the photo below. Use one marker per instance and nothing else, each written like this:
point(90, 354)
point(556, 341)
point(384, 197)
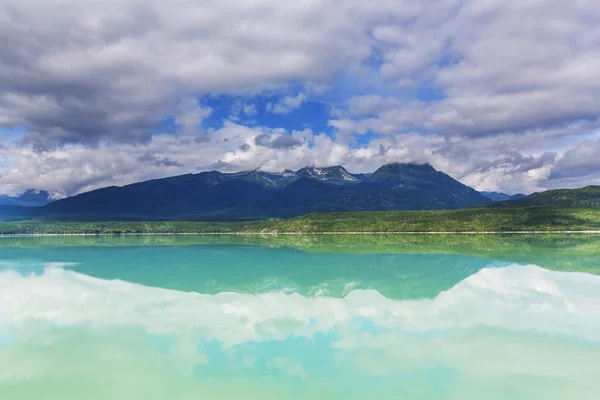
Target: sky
point(503, 96)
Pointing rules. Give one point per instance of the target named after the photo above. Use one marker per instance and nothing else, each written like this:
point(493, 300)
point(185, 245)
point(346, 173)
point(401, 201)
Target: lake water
point(300, 318)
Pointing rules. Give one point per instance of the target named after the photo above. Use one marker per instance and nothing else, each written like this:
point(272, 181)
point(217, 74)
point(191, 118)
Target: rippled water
point(215, 321)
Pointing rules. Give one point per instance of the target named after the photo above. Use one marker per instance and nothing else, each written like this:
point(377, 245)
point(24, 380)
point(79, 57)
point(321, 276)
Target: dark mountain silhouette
point(258, 194)
point(30, 198)
point(499, 196)
point(588, 196)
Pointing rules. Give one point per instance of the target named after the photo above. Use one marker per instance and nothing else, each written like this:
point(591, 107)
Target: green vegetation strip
point(573, 253)
point(476, 220)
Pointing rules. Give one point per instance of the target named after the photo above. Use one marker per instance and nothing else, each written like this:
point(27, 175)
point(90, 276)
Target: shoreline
point(589, 232)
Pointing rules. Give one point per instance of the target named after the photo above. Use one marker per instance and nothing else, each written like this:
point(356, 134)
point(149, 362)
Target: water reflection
point(217, 269)
point(156, 323)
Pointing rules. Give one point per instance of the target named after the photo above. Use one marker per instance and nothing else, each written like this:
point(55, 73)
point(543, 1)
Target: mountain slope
point(257, 194)
point(498, 196)
point(585, 197)
point(30, 198)
point(336, 174)
point(409, 187)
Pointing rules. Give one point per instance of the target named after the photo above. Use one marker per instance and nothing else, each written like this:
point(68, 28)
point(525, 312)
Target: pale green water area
point(388, 317)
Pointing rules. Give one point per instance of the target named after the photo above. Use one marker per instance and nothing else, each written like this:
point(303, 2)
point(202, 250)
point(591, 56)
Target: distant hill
point(18, 213)
point(498, 196)
point(585, 197)
point(258, 194)
point(30, 198)
point(7, 211)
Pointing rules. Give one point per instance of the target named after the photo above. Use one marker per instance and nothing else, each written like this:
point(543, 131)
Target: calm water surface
point(130, 319)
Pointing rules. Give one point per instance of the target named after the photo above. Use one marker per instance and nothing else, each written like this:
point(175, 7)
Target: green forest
point(513, 219)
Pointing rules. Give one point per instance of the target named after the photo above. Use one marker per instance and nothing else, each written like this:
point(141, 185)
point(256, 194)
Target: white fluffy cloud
point(508, 163)
point(520, 297)
point(475, 329)
point(287, 104)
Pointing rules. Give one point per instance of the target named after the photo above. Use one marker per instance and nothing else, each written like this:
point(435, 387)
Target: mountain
point(30, 198)
point(498, 196)
point(409, 187)
point(585, 197)
point(9, 212)
point(258, 194)
point(335, 174)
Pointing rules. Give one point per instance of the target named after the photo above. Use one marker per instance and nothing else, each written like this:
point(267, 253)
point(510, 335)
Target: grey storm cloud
point(157, 161)
point(285, 142)
point(579, 162)
point(202, 139)
point(262, 140)
point(515, 161)
point(280, 142)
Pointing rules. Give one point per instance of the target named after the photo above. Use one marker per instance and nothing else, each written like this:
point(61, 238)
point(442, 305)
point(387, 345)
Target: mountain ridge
point(258, 194)
point(588, 196)
point(499, 196)
point(29, 198)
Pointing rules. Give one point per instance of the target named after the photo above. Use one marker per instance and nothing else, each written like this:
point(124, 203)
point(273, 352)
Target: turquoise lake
point(306, 318)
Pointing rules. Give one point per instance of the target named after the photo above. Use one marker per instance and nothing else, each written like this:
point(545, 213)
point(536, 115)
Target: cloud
point(581, 162)
point(285, 142)
point(190, 115)
point(157, 161)
point(119, 71)
point(75, 72)
point(280, 142)
point(512, 292)
point(242, 108)
point(287, 104)
point(510, 164)
point(262, 140)
point(497, 69)
point(468, 333)
point(76, 168)
point(250, 110)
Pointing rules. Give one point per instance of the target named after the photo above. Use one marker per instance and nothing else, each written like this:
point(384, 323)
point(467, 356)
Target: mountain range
point(30, 198)
point(498, 196)
point(259, 194)
point(214, 195)
point(588, 196)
